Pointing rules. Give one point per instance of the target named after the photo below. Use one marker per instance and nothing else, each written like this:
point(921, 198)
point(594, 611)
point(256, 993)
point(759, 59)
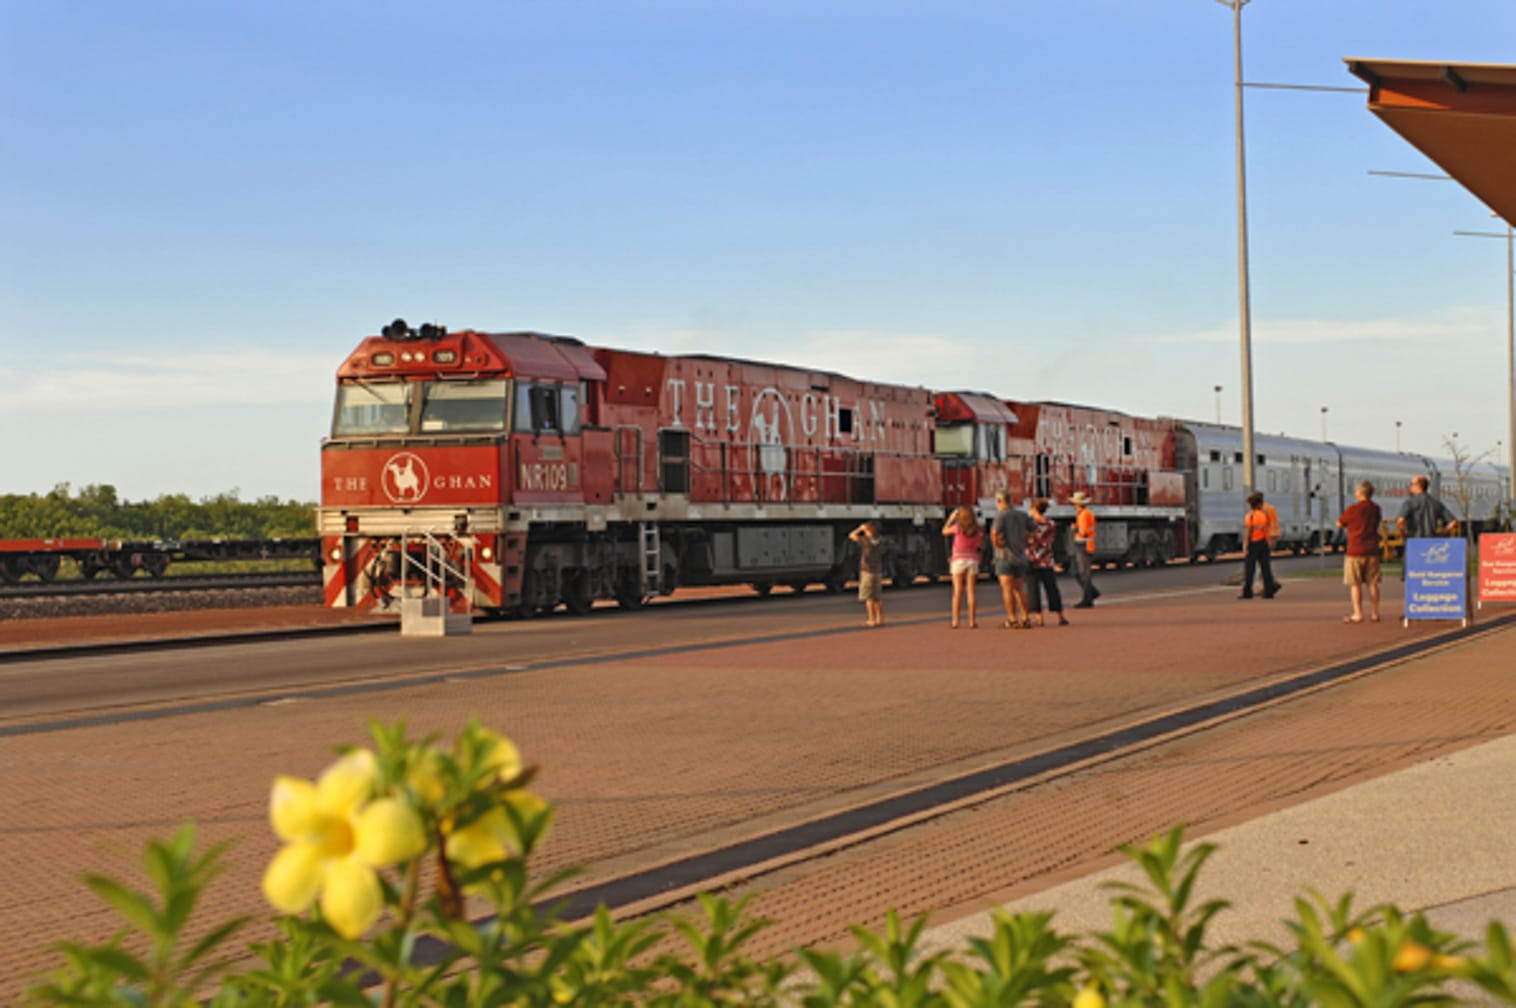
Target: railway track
point(171, 583)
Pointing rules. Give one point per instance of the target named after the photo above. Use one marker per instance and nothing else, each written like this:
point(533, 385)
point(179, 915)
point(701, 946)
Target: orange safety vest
point(1084, 528)
point(1262, 523)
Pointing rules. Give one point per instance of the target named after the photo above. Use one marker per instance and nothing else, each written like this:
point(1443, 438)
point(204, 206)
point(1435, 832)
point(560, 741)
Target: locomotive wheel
point(763, 587)
point(835, 584)
point(903, 574)
point(1210, 552)
point(798, 587)
point(88, 569)
point(155, 565)
point(629, 591)
point(577, 597)
point(122, 567)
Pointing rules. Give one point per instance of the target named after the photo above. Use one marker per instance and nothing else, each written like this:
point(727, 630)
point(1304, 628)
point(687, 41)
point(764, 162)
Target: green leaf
point(132, 905)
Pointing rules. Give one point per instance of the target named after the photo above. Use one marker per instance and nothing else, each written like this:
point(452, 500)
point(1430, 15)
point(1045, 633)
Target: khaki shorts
point(870, 587)
point(970, 567)
point(1360, 570)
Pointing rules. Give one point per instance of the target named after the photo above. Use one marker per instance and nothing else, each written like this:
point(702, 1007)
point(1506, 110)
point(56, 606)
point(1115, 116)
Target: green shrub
point(355, 900)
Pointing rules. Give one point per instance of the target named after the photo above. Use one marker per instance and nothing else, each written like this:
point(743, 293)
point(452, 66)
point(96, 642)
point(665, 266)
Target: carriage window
point(1126, 446)
point(464, 406)
point(1205, 477)
point(372, 408)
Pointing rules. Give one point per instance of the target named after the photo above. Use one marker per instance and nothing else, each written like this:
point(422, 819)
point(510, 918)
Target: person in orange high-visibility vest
point(1261, 531)
point(1084, 550)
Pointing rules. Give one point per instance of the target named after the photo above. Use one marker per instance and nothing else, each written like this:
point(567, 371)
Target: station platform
point(1438, 837)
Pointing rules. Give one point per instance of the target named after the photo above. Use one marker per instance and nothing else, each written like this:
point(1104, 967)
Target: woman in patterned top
point(1039, 551)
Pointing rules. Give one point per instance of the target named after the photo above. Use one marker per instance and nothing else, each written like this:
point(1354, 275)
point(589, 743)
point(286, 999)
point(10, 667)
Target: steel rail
point(167, 583)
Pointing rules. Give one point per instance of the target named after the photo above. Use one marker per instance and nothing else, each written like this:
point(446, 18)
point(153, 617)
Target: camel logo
point(1504, 547)
point(405, 478)
point(769, 431)
point(1437, 553)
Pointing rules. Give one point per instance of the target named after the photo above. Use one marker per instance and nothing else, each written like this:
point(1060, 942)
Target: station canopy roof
point(1460, 115)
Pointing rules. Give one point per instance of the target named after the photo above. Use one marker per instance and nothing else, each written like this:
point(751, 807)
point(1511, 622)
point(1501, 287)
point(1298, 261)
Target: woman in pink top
point(963, 561)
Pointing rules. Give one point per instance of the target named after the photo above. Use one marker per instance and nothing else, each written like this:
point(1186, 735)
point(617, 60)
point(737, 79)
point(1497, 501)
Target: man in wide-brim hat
point(1084, 549)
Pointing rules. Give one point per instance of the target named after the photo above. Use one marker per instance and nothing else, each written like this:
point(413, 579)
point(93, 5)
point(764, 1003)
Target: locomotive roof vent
point(398, 332)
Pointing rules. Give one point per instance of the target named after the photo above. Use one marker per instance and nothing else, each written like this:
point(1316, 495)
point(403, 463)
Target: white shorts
point(969, 567)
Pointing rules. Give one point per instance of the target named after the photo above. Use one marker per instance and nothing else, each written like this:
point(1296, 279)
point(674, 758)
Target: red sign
point(400, 477)
point(1497, 567)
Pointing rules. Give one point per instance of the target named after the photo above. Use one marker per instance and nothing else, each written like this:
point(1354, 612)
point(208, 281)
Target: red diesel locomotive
point(553, 472)
point(550, 472)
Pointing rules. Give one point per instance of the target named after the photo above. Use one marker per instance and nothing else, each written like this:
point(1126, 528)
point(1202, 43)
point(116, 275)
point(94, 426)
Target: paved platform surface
point(1438, 836)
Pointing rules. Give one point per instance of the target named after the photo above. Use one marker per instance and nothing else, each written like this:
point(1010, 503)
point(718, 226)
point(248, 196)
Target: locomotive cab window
point(545, 408)
point(953, 439)
point(991, 442)
point(372, 408)
point(463, 406)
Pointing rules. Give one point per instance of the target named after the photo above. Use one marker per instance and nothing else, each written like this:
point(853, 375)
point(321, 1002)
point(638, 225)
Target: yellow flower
point(1412, 956)
point(335, 837)
point(1089, 997)
point(493, 837)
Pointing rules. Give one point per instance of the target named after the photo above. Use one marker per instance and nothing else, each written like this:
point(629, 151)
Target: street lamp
point(1245, 321)
point(1510, 342)
point(1397, 435)
point(1218, 404)
point(1323, 423)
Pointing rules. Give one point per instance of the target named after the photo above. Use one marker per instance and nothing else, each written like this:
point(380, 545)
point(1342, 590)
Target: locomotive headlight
point(486, 554)
point(445, 356)
point(336, 554)
point(385, 359)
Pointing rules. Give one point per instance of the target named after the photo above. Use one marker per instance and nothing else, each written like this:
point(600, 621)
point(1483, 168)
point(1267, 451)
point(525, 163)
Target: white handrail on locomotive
point(436, 584)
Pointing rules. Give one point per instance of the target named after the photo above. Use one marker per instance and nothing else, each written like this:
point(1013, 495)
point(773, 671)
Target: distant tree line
point(97, 512)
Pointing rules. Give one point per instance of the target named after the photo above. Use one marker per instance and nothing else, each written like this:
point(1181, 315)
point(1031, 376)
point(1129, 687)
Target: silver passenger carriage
point(1300, 478)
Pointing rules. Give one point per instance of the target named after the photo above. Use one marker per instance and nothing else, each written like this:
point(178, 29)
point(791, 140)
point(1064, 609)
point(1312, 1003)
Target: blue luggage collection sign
point(1435, 588)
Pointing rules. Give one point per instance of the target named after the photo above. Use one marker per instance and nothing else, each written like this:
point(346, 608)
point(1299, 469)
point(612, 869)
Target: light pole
point(1323, 423)
point(1510, 345)
point(1218, 404)
point(1397, 436)
point(1245, 321)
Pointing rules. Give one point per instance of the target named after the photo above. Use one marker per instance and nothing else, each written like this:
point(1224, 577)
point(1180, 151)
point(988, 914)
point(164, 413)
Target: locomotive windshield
point(463, 406)
point(368, 408)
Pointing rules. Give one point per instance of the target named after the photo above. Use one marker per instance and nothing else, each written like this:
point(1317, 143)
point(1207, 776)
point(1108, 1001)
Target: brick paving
point(660, 756)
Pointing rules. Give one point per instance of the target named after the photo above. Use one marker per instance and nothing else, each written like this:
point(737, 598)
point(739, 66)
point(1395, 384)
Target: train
point(43, 558)
point(517, 472)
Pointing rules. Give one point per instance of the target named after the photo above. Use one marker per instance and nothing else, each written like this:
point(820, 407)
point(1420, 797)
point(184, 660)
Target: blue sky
point(206, 205)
